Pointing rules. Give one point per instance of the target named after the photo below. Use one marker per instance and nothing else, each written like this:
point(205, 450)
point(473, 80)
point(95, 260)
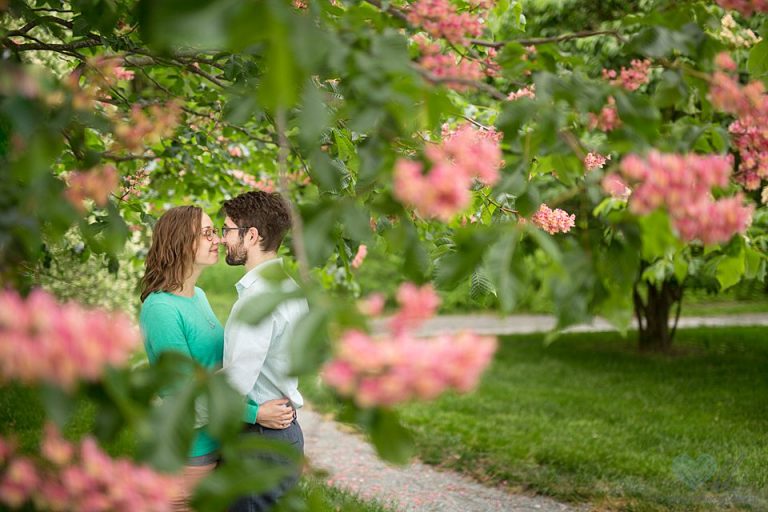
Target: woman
point(175, 316)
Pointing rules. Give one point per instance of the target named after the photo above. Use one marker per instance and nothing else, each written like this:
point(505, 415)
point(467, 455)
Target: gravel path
point(352, 464)
point(522, 324)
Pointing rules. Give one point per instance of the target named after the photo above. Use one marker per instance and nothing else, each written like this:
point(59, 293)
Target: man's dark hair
point(266, 211)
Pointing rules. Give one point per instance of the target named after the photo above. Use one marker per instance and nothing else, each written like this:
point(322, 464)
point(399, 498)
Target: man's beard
point(236, 255)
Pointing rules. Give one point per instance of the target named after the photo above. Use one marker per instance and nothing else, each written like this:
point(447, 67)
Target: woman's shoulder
point(158, 301)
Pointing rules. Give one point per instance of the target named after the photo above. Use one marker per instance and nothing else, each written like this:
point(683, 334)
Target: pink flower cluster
point(615, 186)
point(147, 127)
point(60, 343)
point(745, 7)
point(608, 119)
point(439, 18)
point(529, 91)
point(134, 184)
point(96, 184)
point(595, 161)
point(750, 138)
point(416, 305)
point(682, 185)
point(553, 221)
point(82, 478)
point(447, 67)
point(235, 150)
point(399, 367)
point(463, 155)
point(630, 78)
point(362, 252)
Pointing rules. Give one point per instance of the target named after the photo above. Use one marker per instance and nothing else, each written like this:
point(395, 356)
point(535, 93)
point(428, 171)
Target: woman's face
point(208, 243)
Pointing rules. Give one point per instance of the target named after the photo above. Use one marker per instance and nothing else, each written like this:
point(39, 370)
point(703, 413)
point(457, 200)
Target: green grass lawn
point(589, 419)
point(218, 282)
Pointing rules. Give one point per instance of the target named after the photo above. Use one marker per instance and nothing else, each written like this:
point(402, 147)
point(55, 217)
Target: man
point(256, 357)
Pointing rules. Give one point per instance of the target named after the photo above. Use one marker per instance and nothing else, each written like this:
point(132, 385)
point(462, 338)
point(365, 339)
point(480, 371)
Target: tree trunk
point(654, 332)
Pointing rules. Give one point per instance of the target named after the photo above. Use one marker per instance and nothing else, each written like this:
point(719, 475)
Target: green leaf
point(257, 308)
point(657, 236)
point(313, 116)
point(309, 343)
point(757, 63)
point(730, 270)
point(279, 86)
point(480, 285)
point(456, 266)
point(670, 90)
point(680, 264)
point(165, 436)
point(499, 264)
point(225, 408)
point(637, 112)
point(58, 404)
point(754, 264)
point(392, 441)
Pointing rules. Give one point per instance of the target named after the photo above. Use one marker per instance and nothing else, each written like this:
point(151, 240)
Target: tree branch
point(61, 48)
point(298, 226)
point(37, 22)
point(461, 81)
point(554, 39)
point(394, 11)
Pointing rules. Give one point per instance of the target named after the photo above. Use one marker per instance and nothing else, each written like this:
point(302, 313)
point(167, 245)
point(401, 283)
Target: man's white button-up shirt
point(257, 357)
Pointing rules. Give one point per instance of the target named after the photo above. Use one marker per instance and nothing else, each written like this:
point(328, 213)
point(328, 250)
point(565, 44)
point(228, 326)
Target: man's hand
point(275, 414)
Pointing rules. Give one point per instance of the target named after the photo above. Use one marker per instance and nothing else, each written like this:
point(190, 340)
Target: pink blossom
point(88, 480)
point(615, 186)
point(372, 305)
point(147, 126)
point(362, 252)
point(123, 74)
point(386, 370)
point(608, 119)
point(682, 185)
point(465, 154)
point(18, 482)
point(724, 62)
point(96, 184)
point(235, 150)
point(595, 161)
point(60, 343)
point(244, 178)
point(416, 305)
point(55, 448)
point(553, 221)
point(455, 73)
point(750, 104)
point(745, 7)
point(440, 19)
point(529, 91)
point(630, 78)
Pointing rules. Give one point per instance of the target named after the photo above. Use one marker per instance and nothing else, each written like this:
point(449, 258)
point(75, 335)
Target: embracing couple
point(176, 316)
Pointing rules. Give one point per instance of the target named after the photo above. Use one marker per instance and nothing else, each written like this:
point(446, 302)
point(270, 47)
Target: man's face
point(232, 238)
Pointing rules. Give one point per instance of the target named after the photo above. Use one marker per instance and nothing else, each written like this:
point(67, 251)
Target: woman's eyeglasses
point(209, 233)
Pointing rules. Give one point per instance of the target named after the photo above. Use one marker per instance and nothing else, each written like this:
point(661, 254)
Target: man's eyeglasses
point(209, 233)
point(225, 229)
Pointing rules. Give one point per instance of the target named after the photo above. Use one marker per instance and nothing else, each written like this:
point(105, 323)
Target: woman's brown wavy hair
point(172, 253)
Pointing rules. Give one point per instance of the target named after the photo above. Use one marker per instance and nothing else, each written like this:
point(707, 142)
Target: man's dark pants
point(292, 435)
